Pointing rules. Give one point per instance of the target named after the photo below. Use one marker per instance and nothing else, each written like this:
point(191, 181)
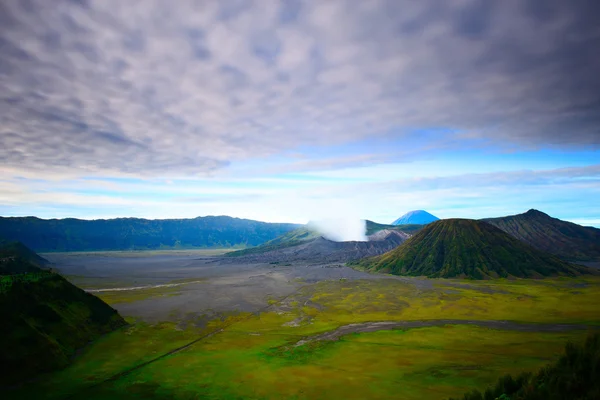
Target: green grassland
point(257, 356)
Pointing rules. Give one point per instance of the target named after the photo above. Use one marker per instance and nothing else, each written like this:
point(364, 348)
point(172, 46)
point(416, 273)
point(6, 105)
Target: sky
point(290, 111)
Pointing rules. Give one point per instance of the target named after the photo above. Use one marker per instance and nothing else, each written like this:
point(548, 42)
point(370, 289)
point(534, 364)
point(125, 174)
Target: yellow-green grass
point(254, 357)
point(130, 296)
point(543, 301)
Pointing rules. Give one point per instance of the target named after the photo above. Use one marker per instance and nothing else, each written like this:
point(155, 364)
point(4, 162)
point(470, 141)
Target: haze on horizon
point(297, 110)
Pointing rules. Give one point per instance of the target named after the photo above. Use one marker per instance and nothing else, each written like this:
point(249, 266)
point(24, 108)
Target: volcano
point(463, 248)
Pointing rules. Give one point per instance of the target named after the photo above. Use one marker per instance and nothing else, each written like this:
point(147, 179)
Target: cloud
point(149, 88)
point(329, 163)
point(230, 198)
point(341, 229)
point(470, 184)
point(562, 176)
point(565, 193)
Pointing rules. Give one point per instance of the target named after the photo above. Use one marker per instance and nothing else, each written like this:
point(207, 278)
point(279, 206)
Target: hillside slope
point(16, 258)
point(561, 238)
point(45, 319)
point(468, 248)
point(137, 234)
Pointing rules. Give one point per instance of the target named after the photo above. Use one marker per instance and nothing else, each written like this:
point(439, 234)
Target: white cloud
point(341, 229)
point(155, 88)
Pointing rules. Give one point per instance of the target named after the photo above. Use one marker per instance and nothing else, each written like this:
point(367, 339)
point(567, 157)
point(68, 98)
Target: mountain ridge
point(71, 234)
point(564, 239)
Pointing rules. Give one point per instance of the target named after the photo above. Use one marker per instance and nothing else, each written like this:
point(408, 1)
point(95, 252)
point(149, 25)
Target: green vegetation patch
point(8, 281)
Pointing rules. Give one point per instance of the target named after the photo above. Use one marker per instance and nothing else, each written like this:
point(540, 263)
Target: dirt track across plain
point(390, 325)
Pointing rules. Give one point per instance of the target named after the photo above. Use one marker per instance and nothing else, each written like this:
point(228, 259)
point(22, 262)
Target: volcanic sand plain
point(202, 327)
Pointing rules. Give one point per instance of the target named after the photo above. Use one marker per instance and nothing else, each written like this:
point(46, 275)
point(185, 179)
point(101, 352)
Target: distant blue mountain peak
point(420, 217)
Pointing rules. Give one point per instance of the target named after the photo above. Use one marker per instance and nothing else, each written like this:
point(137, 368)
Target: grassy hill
point(561, 238)
point(573, 376)
point(467, 249)
point(45, 318)
point(72, 234)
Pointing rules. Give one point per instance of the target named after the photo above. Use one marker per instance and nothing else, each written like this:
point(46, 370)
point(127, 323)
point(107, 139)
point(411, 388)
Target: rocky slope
point(561, 238)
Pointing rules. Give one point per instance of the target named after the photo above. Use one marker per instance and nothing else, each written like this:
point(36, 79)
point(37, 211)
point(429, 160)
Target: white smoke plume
point(341, 229)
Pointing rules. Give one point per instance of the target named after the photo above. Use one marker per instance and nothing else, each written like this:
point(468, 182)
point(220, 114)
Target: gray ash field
point(175, 287)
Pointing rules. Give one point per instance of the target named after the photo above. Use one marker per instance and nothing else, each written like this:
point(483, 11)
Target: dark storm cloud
point(184, 88)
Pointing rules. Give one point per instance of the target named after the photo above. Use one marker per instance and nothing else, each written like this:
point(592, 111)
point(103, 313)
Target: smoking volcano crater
point(321, 247)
